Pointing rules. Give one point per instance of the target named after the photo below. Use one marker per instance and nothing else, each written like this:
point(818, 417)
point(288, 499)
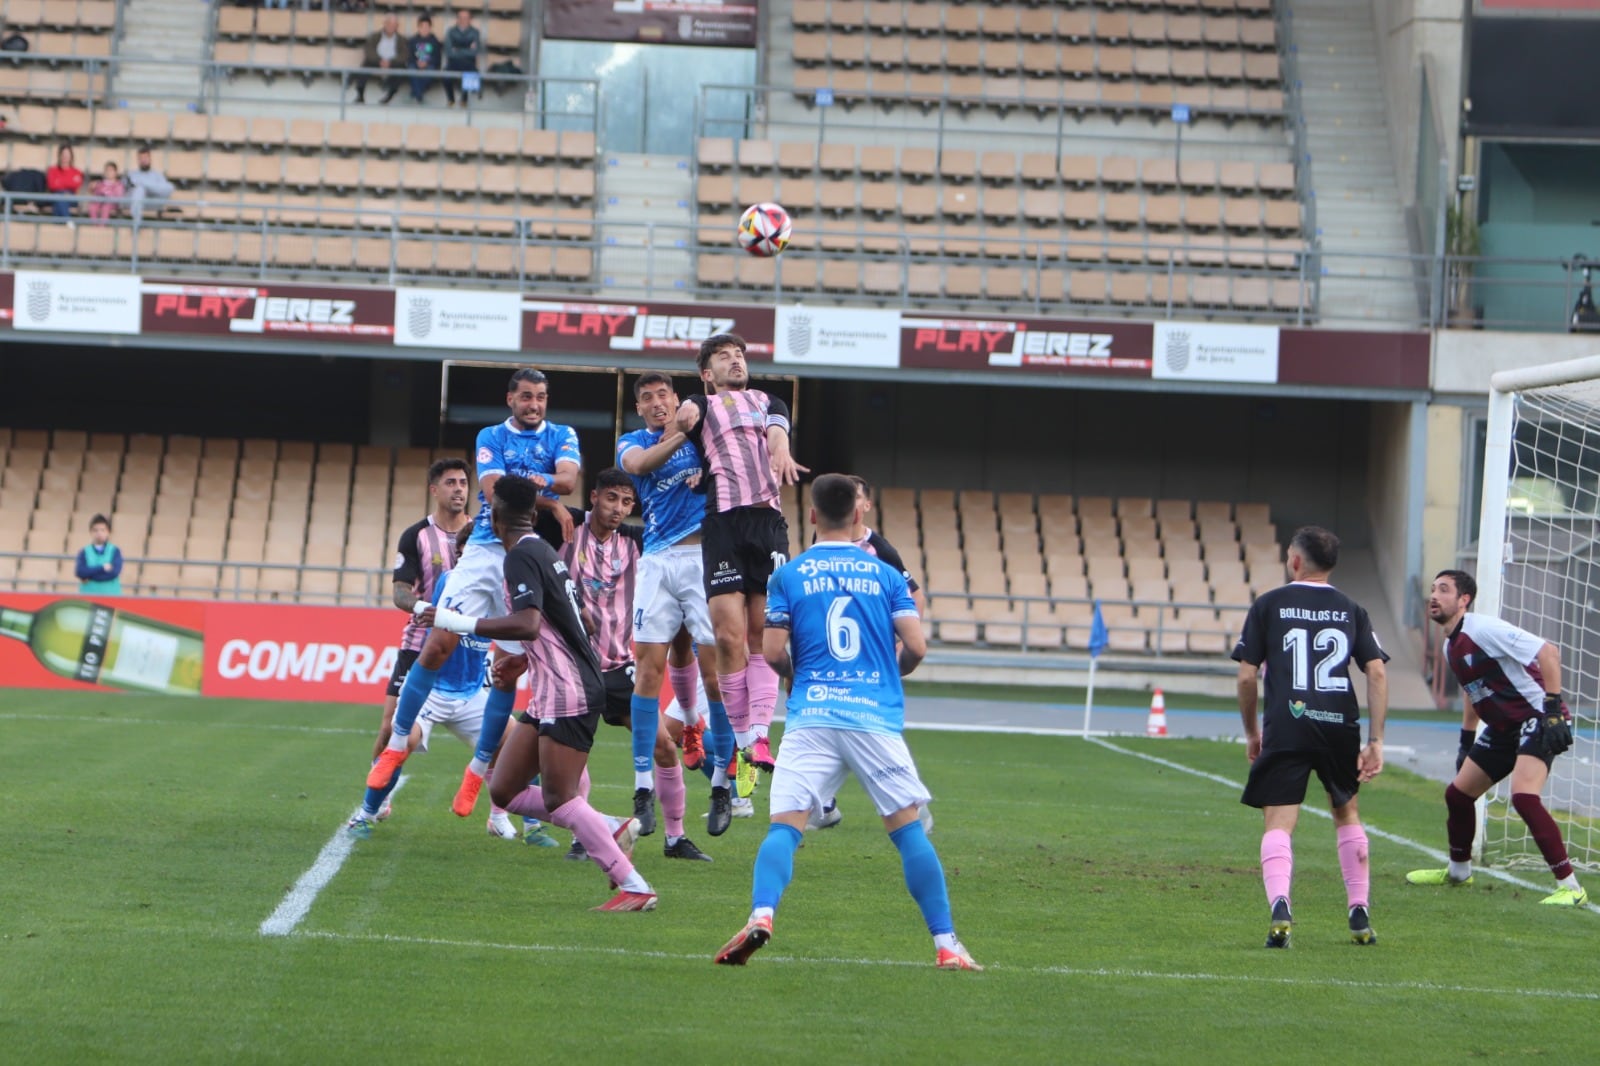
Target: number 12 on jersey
point(1330, 670)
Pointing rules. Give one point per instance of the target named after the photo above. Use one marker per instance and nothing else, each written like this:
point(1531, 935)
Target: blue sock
point(721, 734)
point(496, 712)
point(775, 865)
point(413, 694)
point(646, 717)
point(375, 796)
point(924, 876)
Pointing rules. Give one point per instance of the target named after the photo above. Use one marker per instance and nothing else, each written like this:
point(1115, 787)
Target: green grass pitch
point(1116, 902)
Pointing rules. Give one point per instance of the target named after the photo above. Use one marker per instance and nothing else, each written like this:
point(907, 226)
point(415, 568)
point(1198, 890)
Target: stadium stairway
point(639, 189)
point(162, 29)
point(1352, 164)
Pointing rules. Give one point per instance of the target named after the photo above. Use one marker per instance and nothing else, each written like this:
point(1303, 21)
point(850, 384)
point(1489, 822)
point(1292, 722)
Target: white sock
point(613, 822)
point(1569, 881)
point(398, 741)
point(1459, 871)
point(635, 883)
point(945, 940)
point(673, 840)
point(479, 767)
point(761, 912)
point(719, 777)
point(647, 779)
point(760, 732)
point(745, 738)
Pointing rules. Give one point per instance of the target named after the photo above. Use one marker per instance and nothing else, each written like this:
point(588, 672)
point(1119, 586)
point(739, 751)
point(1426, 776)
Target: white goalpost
point(1539, 568)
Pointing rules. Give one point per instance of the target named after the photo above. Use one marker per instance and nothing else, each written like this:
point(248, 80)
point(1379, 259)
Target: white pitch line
point(1035, 971)
point(1372, 830)
point(291, 911)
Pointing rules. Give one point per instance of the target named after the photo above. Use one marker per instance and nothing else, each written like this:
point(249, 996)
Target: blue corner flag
point(1098, 638)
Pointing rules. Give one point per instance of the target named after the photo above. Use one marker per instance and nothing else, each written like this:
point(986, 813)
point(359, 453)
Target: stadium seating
point(1107, 232)
point(1217, 56)
point(311, 44)
point(294, 521)
point(312, 195)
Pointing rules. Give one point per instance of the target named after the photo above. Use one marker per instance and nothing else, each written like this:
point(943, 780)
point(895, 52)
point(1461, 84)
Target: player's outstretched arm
point(1549, 660)
point(637, 460)
point(1247, 709)
point(405, 596)
point(1369, 763)
point(522, 625)
point(913, 642)
point(688, 416)
point(784, 468)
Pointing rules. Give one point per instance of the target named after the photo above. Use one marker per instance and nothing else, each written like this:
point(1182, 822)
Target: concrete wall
point(1445, 490)
point(1463, 360)
point(1410, 31)
point(1389, 499)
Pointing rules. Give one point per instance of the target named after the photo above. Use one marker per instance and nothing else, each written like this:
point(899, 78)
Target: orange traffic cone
point(1157, 726)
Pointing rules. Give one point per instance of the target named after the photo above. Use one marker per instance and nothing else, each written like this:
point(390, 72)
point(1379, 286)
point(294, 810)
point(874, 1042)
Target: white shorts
point(462, 715)
point(670, 594)
point(477, 586)
point(813, 762)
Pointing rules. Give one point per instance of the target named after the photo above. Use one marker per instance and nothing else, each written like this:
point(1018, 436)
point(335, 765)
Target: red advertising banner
point(8, 298)
point(668, 331)
point(360, 316)
point(723, 23)
point(187, 648)
point(1047, 345)
point(1353, 359)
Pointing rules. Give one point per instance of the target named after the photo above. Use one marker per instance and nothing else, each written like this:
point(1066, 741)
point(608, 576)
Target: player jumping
point(743, 436)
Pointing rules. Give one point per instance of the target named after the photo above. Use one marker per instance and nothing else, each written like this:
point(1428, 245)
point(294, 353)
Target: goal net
point(1539, 568)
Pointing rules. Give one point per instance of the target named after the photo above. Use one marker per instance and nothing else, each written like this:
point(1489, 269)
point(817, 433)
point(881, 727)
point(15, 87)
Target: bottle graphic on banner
point(96, 644)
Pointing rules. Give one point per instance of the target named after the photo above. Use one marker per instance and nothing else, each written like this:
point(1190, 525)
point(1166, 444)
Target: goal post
point(1539, 568)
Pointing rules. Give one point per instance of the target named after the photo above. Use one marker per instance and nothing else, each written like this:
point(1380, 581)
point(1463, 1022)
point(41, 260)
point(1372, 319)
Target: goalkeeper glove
point(1554, 727)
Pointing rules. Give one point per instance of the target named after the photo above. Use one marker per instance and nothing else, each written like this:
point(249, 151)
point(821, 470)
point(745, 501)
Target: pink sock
point(1353, 861)
point(763, 685)
point(674, 797)
point(530, 804)
point(736, 698)
point(1277, 863)
point(685, 684)
point(589, 827)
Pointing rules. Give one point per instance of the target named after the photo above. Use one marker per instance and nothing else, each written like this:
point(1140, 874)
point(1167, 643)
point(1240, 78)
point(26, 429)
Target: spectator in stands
point(107, 194)
point(463, 44)
point(425, 52)
point(100, 562)
point(148, 185)
point(386, 50)
point(64, 179)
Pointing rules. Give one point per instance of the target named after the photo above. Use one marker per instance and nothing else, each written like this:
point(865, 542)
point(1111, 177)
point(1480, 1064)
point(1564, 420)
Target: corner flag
point(1098, 638)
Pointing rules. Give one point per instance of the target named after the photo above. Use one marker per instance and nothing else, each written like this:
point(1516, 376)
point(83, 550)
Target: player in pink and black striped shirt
point(603, 555)
point(427, 549)
point(566, 698)
point(743, 437)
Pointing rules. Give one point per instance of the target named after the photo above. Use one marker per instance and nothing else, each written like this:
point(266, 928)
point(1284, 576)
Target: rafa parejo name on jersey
point(837, 575)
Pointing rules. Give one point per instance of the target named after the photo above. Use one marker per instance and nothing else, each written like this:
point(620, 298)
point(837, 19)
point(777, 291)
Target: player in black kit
point(1306, 634)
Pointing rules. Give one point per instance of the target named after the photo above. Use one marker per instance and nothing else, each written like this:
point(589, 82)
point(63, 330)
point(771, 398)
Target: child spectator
point(108, 193)
point(425, 55)
point(100, 562)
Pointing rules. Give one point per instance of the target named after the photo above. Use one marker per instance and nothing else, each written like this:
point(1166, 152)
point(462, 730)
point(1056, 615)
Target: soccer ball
point(764, 229)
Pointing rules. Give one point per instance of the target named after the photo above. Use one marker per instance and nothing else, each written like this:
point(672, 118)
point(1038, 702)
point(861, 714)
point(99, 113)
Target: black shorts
point(619, 696)
point(574, 731)
point(1497, 749)
point(1278, 778)
point(741, 548)
point(402, 666)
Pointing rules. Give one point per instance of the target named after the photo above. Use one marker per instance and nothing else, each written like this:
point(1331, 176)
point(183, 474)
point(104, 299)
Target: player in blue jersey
point(528, 446)
point(457, 702)
point(670, 598)
point(833, 616)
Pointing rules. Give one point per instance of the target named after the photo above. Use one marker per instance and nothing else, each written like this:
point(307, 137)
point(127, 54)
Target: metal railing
point(1038, 617)
point(236, 580)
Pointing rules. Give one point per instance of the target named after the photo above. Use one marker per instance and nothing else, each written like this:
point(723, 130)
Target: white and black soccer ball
point(765, 229)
